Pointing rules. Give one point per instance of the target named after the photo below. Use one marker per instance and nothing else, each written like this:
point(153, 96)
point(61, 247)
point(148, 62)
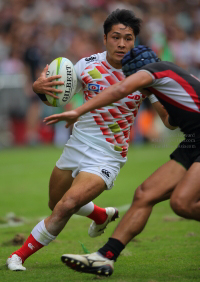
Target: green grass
point(165, 251)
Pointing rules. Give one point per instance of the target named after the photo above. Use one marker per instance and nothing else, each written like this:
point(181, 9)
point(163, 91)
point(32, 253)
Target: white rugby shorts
point(78, 156)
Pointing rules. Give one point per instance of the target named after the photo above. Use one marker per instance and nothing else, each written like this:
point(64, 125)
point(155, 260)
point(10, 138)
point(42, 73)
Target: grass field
point(168, 250)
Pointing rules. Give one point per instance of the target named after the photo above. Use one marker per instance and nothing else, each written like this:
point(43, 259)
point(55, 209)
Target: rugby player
point(97, 148)
point(178, 179)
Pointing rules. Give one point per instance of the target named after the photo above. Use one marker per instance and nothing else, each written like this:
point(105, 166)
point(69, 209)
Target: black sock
point(112, 249)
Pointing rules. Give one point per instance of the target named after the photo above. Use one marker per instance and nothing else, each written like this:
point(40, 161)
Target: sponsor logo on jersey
point(94, 87)
point(106, 173)
point(90, 59)
point(134, 96)
point(31, 246)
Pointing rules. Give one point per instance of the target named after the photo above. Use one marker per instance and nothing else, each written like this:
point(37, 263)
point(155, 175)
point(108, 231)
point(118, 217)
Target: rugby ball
point(64, 67)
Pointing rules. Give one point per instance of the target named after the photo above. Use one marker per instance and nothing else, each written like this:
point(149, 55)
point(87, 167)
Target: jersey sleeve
point(154, 69)
point(151, 74)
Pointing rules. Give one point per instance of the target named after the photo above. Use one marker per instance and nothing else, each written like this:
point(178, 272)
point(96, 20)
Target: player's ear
point(105, 39)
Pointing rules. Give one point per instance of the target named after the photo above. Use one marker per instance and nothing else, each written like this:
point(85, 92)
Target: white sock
point(86, 210)
point(41, 235)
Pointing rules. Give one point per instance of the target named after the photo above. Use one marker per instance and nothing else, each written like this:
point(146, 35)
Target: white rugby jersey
point(108, 128)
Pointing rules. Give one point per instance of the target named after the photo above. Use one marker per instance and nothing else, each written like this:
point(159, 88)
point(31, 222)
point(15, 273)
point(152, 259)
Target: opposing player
point(178, 179)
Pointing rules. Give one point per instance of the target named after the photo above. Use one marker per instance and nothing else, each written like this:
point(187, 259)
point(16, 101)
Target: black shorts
point(187, 153)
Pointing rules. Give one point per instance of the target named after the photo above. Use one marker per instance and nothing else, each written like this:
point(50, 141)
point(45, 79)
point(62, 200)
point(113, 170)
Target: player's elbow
point(167, 124)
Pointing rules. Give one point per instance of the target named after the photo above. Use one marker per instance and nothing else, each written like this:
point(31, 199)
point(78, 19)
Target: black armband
point(42, 97)
point(171, 122)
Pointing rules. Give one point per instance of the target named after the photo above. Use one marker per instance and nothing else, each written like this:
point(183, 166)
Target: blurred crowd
point(34, 32)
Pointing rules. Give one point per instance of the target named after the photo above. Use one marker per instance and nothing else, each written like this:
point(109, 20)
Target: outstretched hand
point(70, 117)
point(44, 85)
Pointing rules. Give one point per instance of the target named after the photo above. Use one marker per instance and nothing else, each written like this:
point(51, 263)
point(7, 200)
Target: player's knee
point(180, 206)
point(67, 207)
point(142, 194)
point(51, 204)
point(138, 194)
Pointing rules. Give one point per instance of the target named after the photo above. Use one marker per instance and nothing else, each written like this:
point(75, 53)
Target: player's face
point(118, 42)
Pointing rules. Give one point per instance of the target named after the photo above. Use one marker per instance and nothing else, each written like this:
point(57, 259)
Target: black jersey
point(179, 92)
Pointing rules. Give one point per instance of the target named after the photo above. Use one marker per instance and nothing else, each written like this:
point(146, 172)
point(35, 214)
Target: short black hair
point(125, 17)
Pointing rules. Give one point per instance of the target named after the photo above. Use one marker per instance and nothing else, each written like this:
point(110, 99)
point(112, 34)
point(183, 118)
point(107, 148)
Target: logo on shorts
point(106, 173)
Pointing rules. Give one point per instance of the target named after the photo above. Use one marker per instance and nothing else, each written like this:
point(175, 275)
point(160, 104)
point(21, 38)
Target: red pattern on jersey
point(118, 75)
point(101, 82)
point(106, 116)
point(111, 140)
point(115, 113)
point(123, 110)
point(126, 133)
point(105, 65)
point(130, 105)
point(89, 67)
point(99, 120)
point(105, 131)
point(87, 79)
point(124, 151)
point(111, 79)
point(90, 94)
point(129, 119)
point(122, 123)
point(119, 138)
point(102, 70)
point(135, 112)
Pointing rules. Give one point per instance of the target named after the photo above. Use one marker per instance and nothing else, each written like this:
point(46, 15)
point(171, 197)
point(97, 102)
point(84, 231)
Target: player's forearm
point(106, 97)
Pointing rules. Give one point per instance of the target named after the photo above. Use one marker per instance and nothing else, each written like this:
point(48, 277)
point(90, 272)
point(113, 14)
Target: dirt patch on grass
point(18, 240)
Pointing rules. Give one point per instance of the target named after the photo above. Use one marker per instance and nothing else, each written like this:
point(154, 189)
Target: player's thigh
point(85, 187)
point(188, 189)
point(60, 182)
point(159, 186)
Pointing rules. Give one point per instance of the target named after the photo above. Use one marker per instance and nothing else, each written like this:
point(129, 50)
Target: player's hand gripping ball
point(64, 67)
